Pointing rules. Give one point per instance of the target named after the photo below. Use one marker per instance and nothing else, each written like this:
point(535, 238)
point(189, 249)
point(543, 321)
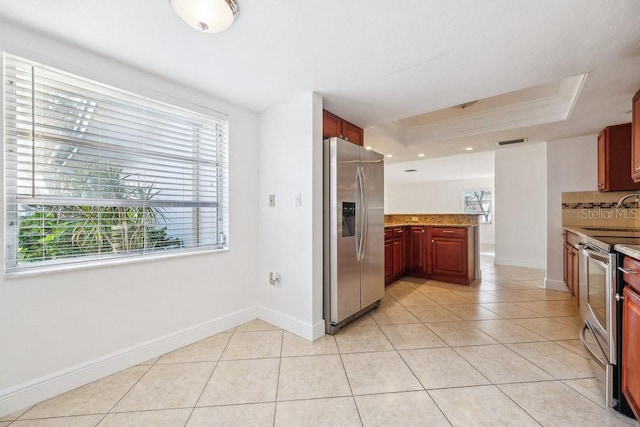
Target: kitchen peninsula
point(443, 247)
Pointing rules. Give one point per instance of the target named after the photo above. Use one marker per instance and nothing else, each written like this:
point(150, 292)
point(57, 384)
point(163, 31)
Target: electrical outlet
point(274, 279)
point(272, 200)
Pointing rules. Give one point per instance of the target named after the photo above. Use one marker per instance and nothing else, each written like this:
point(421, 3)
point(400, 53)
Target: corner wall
point(64, 329)
point(521, 206)
point(572, 165)
point(290, 236)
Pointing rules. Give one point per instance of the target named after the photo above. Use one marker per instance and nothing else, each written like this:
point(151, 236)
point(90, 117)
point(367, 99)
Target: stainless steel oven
point(597, 288)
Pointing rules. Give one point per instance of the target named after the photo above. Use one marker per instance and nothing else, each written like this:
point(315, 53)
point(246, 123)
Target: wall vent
point(411, 170)
point(512, 141)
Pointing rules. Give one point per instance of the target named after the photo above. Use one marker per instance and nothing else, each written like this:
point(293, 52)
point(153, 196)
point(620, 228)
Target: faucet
point(636, 195)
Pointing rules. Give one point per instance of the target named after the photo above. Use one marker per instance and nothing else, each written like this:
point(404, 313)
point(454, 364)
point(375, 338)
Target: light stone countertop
point(630, 250)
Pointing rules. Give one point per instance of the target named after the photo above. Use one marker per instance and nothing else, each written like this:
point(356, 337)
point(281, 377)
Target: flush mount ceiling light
point(208, 16)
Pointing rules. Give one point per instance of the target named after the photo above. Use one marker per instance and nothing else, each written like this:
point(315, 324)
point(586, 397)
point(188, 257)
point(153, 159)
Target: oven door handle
point(601, 361)
point(628, 270)
point(595, 255)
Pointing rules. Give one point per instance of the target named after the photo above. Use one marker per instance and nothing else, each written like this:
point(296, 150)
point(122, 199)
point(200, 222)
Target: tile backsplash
point(593, 208)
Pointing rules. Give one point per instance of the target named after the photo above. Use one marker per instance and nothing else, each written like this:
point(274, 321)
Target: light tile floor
point(500, 352)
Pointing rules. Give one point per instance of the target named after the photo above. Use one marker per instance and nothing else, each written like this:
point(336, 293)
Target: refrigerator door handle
point(361, 213)
point(365, 212)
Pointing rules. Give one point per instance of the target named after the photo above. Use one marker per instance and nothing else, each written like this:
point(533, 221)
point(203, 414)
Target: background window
point(94, 172)
point(477, 202)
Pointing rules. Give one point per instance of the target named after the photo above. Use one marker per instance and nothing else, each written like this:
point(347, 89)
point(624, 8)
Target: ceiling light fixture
point(468, 149)
point(208, 16)
point(389, 155)
point(421, 155)
point(367, 148)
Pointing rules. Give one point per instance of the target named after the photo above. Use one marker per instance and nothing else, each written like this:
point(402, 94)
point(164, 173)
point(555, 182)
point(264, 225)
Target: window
point(93, 172)
point(477, 202)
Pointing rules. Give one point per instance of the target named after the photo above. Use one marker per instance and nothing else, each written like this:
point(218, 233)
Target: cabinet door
point(331, 125)
point(352, 133)
point(398, 257)
point(418, 252)
point(614, 167)
point(631, 349)
point(388, 261)
point(448, 256)
point(575, 273)
point(635, 138)
point(566, 254)
point(602, 160)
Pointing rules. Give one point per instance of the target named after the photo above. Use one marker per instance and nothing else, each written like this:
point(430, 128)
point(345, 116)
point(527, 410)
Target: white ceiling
point(377, 61)
point(449, 168)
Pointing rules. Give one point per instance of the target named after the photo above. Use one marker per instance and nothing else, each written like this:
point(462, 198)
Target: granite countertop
point(431, 220)
point(426, 224)
point(630, 250)
point(603, 231)
point(594, 232)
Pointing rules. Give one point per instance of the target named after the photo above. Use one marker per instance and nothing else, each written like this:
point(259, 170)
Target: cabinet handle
point(627, 270)
point(619, 297)
point(447, 231)
point(637, 168)
point(422, 231)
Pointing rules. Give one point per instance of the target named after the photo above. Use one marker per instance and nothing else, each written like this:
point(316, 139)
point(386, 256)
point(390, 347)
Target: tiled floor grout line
point(217, 362)
point(275, 404)
point(380, 322)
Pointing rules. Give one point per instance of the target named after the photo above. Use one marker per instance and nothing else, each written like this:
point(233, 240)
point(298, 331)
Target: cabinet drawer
point(633, 277)
point(398, 232)
point(449, 232)
point(388, 234)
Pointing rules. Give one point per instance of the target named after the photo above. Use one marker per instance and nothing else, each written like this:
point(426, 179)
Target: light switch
point(272, 200)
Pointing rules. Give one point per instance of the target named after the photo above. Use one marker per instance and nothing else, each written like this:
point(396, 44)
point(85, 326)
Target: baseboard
point(555, 285)
point(518, 262)
point(24, 395)
point(305, 330)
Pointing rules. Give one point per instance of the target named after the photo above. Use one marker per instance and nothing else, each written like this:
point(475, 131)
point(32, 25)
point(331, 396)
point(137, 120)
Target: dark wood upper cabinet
point(333, 125)
point(614, 151)
point(635, 137)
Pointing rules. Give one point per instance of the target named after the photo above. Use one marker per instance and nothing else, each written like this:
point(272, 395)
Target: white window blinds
point(94, 172)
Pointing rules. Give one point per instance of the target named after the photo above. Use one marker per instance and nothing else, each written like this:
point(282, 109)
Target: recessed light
point(468, 149)
point(389, 155)
point(421, 155)
point(367, 147)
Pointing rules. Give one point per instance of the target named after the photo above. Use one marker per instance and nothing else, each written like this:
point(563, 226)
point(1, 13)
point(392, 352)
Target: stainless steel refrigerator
point(353, 232)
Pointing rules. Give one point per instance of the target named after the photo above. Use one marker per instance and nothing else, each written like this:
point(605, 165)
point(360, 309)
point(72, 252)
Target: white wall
point(521, 206)
point(63, 329)
point(437, 197)
point(572, 165)
point(290, 239)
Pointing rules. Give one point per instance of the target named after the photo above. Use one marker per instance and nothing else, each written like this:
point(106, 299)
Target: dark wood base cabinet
point(394, 254)
point(447, 254)
point(631, 349)
point(453, 255)
point(571, 266)
point(418, 264)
